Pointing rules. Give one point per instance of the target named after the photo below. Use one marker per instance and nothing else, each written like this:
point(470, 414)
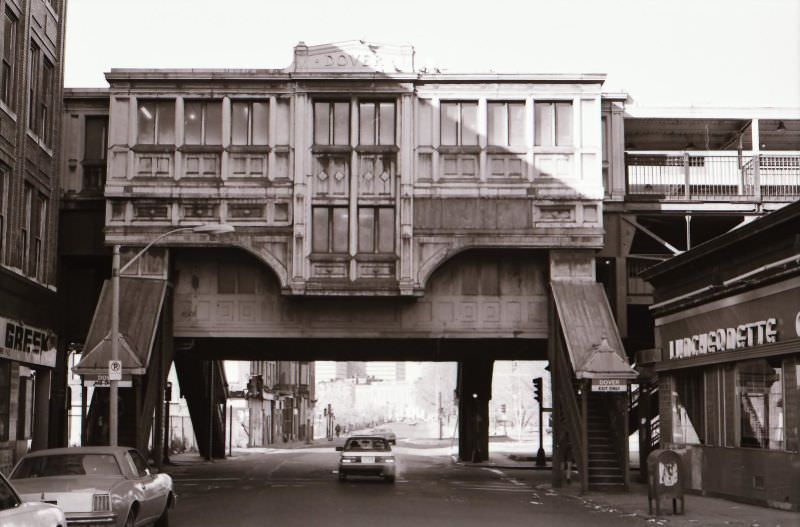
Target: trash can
point(665, 479)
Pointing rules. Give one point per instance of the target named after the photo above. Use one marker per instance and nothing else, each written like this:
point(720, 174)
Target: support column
point(474, 392)
point(41, 409)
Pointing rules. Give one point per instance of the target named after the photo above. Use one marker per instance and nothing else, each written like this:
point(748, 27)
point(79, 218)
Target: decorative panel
point(329, 270)
point(280, 212)
point(282, 166)
point(554, 214)
point(153, 165)
point(151, 210)
point(200, 210)
point(201, 165)
point(248, 165)
point(553, 165)
point(507, 166)
point(246, 211)
point(424, 167)
point(330, 176)
point(376, 175)
point(459, 166)
point(375, 270)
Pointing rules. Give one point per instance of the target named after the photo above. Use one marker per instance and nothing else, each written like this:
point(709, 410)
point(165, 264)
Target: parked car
point(385, 433)
point(96, 485)
point(17, 513)
point(366, 456)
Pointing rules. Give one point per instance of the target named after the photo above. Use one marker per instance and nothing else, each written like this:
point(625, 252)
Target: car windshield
point(8, 499)
point(67, 465)
point(366, 444)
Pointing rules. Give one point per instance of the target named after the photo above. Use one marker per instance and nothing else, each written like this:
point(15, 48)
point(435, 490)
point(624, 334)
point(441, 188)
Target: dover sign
point(27, 344)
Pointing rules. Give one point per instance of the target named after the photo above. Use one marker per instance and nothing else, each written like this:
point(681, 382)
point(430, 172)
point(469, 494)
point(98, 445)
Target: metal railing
point(722, 176)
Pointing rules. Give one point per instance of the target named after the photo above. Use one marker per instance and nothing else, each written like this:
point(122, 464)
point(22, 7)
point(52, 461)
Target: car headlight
point(101, 503)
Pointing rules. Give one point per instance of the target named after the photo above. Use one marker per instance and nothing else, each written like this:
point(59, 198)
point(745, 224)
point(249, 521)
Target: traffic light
point(503, 408)
point(537, 390)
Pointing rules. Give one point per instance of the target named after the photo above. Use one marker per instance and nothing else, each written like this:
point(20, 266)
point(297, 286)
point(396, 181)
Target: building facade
point(30, 113)
point(728, 360)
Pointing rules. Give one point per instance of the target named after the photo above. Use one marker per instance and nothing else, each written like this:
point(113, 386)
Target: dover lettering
point(725, 339)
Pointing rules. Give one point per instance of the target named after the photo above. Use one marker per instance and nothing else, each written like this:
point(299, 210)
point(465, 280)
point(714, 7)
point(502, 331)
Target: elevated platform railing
point(713, 176)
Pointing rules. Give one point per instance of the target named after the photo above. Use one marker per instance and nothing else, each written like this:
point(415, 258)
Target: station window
point(506, 123)
point(553, 122)
point(688, 408)
point(94, 154)
point(331, 123)
point(250, 122)
point(330, 229)
point(7, 84)
point(376, 230)
point(376, 123)
point(156, 122)
point(459, 123)
point(202, 123)
point(759, 386)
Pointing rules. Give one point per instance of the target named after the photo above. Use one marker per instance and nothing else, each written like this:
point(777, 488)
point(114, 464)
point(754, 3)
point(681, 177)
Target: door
point(153, 497)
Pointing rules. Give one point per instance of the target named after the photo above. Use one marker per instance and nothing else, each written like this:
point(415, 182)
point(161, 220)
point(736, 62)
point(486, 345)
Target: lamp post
point(113, 397)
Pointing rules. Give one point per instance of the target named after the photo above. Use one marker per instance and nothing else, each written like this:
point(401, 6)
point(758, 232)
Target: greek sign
point(27, 344)
point(609, 385)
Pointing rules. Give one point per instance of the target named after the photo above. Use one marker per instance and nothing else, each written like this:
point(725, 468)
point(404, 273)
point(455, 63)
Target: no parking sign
point(115, 370)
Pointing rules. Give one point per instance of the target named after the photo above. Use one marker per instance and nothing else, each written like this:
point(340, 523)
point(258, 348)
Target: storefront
point(728, 330)
point(27, 357)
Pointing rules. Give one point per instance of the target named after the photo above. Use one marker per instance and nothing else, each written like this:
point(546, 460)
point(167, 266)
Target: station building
point(388, 213)
point(31, 48)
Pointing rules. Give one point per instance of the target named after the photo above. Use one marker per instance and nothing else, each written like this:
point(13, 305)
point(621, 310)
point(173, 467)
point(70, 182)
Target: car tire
point(163, 520)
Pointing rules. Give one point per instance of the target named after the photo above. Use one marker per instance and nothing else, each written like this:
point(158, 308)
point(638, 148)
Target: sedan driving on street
point(366, 456)
point(17, 513)
point(96, 485)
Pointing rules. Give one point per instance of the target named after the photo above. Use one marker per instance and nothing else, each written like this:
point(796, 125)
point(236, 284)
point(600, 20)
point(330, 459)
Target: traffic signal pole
point(538, 393)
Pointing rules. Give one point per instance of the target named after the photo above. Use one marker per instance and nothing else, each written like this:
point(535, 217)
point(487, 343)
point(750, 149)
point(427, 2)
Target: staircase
point(605, 465)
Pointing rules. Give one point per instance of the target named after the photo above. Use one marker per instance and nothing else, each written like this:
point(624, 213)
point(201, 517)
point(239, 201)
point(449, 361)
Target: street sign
point(114, 370)
point(609, 385)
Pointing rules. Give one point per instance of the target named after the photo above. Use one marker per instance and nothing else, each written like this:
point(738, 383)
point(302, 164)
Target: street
point(300, 487)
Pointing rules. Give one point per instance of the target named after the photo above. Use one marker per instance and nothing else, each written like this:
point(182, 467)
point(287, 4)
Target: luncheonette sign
point(609, 385)
point(752, 319)
point(27, 344)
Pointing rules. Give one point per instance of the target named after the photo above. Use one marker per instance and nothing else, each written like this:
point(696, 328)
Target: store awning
point(593, 342)
point(141, 300)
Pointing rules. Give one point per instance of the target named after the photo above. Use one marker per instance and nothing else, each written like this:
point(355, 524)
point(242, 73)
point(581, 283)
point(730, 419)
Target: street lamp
point(113, 411)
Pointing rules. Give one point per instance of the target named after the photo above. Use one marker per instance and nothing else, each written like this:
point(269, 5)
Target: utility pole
point(440, 415)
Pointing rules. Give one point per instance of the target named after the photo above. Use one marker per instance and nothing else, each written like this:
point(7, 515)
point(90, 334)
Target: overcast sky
point(662, 53)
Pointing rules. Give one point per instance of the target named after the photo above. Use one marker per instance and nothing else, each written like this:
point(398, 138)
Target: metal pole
point(440, 415)
point(211, 409)
point(230, 431)
point(541, 460)
point(113, 396)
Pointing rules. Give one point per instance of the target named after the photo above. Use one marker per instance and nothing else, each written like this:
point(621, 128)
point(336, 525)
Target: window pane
point(147, 123)
point(469, 123)
point(321, 123)
point(760, 387)
point(95, 143)
point(260, 123)
point(516, 124)
point(319, 225)
point(386, 233)
point(341, 123)
point(192, 123)
point(449, 123)
point(543, 117)
point(497, 128)
point(239, 120)
point(387, 123)
point(366, 230)
point(563, 124)
point(166, 122)
point(425, 122)
point(341, 227)
point(213, 123)
point(366, 123)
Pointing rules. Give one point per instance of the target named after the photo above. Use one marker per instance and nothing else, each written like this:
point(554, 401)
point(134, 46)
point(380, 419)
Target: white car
point(17, 513)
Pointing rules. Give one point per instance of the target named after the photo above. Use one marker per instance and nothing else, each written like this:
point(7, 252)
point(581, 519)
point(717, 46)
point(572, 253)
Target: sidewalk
point(700, 510)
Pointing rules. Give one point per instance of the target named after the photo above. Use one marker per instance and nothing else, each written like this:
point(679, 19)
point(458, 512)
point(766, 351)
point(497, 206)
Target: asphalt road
point(300, 488)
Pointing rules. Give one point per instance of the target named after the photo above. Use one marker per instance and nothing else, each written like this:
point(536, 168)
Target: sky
point(717, 53)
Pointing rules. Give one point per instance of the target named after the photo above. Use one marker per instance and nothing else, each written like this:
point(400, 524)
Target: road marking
point(206, 479)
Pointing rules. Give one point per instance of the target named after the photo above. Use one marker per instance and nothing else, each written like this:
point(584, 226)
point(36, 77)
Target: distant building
point(387, 371)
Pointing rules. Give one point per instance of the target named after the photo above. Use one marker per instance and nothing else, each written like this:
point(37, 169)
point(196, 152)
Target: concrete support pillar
point(474, 392)
point(41, 409)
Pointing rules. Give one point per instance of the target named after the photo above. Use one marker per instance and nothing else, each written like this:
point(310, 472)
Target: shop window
point(7, 84)
point(5, 398)
point(459, 123)
point(759, 386)
point(202, 123)
point(688, 408)
point(553, 123)
point(506, 123)
point(376, 230)
point(156, 122)
point(331, 123)
point(330, 230)
point(94, 154)
point(249, 122)
point(376, 123)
